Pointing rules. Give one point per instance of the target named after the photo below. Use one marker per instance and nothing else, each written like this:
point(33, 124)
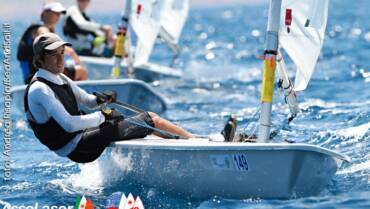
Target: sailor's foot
point(229, 130)
point(242, 137)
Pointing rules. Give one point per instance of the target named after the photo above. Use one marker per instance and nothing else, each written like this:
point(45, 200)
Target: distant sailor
point(50, 16)
point(51, 104)
point(87, 37)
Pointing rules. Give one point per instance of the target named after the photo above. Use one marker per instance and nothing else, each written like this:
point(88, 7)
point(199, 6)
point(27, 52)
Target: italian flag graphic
point(82, 203)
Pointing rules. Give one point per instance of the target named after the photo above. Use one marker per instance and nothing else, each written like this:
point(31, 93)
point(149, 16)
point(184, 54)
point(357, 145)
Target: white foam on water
point(95, 176)
point(16, 187)
point(50, 164)
point(123, 162)
point(356, 132)
point(351, 136)
point(5, 204)
point(201, 91)
point(364, 166)
point(21, 124)
point(104, 171)
point(321, 103)
point(317, 102)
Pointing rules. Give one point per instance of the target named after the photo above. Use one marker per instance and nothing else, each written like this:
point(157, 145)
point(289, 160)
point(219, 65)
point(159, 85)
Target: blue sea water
point(220, 54)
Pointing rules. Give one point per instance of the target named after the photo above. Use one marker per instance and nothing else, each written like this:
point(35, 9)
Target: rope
point(255, 126)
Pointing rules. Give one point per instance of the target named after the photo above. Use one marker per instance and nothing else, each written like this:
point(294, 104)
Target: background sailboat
point(173, 15)
point(134, 92)
point(147, 20)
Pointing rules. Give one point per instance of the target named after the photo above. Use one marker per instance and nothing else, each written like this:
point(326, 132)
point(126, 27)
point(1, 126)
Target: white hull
point(200, 168)
point(100, 68)
point(130, 91)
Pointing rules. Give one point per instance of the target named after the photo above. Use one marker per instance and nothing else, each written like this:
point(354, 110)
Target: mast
point(126, 16)
point(123, 40)
point(270, 54)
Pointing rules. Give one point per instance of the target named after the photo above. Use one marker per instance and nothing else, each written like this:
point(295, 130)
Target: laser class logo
point(119, 200)
point(82, 203)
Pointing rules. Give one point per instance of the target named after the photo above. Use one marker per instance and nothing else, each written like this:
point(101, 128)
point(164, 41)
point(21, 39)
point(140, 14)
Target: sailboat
point(148, 20)
point(131, 91)
point(205, 167)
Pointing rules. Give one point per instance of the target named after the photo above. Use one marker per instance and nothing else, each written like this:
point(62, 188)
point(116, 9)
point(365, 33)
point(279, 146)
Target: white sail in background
point(173, 16)
point(301, 34)
point(144, 20)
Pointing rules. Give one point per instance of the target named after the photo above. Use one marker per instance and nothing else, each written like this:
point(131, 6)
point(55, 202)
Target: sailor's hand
point(106, 28)
point(108, 96)
point(111, 114)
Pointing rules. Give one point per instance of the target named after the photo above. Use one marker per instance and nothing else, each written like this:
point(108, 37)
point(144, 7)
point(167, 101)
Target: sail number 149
point(240, 162)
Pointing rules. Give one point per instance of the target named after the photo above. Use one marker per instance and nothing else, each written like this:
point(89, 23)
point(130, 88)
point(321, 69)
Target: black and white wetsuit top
point(79, 29)
point(43, 106)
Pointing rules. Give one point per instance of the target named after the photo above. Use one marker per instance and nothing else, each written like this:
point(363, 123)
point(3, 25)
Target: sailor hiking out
point(51, 104)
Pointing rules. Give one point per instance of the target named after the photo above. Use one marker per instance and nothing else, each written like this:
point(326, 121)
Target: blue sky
point(28, 8)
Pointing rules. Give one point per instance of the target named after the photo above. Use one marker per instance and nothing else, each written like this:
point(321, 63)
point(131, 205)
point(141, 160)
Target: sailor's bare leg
point(166, 125)
point(80, 73)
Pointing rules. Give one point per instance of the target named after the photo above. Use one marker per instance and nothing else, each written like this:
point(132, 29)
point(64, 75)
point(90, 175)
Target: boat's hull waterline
point(130, 91)
point(101, 68)
point(200, 168)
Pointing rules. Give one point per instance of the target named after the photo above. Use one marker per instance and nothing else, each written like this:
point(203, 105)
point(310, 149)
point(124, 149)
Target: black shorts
point(95, 140)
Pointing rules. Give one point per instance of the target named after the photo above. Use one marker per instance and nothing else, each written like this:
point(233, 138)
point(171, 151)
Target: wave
point(355, 168)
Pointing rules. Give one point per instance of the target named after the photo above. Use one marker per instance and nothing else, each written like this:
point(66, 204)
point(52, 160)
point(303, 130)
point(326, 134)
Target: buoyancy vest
point(25, 52)
point(50, 133)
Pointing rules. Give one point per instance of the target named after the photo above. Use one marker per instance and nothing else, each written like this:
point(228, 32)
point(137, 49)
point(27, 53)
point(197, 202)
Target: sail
point(173, 14)
point(301, 34)
point(144, 20)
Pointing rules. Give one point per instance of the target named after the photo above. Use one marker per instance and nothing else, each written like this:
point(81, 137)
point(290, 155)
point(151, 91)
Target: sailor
point(50, 16)
point(52, 108)
point(87, 37)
